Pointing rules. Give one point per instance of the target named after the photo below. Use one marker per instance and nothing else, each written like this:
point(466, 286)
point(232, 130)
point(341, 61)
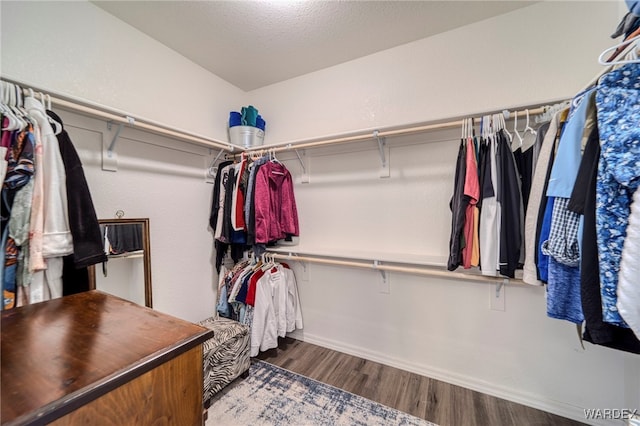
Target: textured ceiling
point(252, 44)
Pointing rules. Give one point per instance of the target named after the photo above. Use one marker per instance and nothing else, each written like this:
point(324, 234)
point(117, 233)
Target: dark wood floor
point(433, 400)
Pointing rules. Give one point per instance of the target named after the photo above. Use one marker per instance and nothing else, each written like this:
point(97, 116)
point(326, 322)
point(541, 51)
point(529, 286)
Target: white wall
point(441, 328)
point(163, 180)
point(77, 49)
point(539, 53)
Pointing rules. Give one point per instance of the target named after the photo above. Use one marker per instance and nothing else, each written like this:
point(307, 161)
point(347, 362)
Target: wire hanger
point(634, 52)
point(503, 125)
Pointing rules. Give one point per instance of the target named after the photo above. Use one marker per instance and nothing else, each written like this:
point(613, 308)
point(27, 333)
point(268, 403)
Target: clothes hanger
point(22, 109)
point(528, 128)
point(4, 107)
point(515, 127)
point(503, 124)
point(633, 42)
point(13, 104)
point(57, 127)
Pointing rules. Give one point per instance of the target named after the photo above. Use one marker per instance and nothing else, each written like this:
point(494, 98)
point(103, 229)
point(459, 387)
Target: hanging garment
point(36, 222)
point(628, 286)
point(583, 201)
point(617, 100)
point(293, 313)
point(83, 221)
point(240, 189)
point(250, 208)
point(16, 202)
point(489, 219)
point(458, 205)
point(215, 199)
point(543, 225)
point(529, 273)
point(510, 205)
point(56, 235)
point(563, 286)
point(223, 172)
point(472, 194)
point(563, 238)
point(276, 214)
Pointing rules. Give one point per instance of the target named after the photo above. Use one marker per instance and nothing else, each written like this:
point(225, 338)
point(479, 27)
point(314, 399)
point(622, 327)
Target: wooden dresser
point(92, 358)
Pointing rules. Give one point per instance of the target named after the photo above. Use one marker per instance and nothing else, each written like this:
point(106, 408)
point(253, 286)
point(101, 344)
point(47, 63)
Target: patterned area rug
point(275, 396)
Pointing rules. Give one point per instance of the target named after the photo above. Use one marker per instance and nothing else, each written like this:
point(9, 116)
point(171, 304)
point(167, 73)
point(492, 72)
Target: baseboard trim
point(514, 395)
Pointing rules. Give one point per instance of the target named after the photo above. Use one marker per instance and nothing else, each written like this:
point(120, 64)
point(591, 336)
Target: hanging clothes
point(56, 235)
point(489, 217)
point(472, 195)
point(617, 100)
point(458, 205)
point(546, 140)
point(276, 214)
point(510, 204)
point(263, 296)
point(563, 290)
point(83, 220)
point(583, 201)
point(628, 303)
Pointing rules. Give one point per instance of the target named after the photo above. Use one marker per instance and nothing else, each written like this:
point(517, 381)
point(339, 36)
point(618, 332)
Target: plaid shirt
point(562, 244)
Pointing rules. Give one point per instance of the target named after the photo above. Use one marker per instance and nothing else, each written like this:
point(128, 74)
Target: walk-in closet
point(432, 219)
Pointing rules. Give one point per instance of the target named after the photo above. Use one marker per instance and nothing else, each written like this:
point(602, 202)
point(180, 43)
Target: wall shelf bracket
point(384, 154)
point(305, 170)
point(130, 120)
point(210, 172)
point(109, 155)
point(383, 273)
point(383, 282)
point(381, 143)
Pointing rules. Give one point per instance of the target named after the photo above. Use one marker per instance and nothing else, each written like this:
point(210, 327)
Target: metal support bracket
point(303, 163)
point(383, 282)
point(304, 169)
point(384, 154)
point(130, 120)
point(211, 170)
point(109, 155)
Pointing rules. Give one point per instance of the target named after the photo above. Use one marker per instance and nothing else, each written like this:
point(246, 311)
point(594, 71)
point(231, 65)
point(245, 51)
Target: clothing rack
point(379, 134)
point(115, 116)
point(416, 269)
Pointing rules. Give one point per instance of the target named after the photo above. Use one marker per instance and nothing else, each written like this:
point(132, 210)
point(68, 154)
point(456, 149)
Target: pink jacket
point(275, 205)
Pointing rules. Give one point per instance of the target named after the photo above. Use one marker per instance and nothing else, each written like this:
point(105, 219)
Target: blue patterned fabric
point(618, 106)
point(564, 300)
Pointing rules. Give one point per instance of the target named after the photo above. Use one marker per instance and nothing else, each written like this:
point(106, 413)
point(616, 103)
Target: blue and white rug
point(274, 396)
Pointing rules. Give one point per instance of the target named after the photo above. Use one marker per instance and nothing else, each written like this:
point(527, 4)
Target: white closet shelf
point(354, 254)
point(92, 109)
point(410, 263)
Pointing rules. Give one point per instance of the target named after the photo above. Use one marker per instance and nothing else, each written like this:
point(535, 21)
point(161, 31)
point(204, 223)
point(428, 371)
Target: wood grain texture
point(170, 394)
point(433, 400)
point(60, 354)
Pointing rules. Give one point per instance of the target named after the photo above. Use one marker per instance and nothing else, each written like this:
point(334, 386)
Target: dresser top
point(58, 355)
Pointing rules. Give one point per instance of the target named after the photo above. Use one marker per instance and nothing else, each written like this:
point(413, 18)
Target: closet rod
point(300, 144)
point(113, 115)
point(394, 268)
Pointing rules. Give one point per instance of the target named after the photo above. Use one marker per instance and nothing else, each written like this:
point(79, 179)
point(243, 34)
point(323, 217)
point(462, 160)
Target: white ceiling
point(252, 44)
